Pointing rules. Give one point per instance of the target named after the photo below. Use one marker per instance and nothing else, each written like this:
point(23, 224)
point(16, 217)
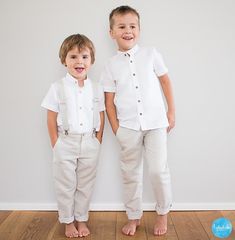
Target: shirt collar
point(130, 52)
point(71, 79)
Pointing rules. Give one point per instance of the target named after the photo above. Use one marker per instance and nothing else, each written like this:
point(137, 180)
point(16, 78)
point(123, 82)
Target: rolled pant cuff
point(66, 220)
point(134, 215)
point(82, 218)
point(163, 211)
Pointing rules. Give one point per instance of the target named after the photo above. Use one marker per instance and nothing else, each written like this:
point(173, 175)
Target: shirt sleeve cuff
point(159, 74)
point(109, 89)
point(49, 107)
point(102, 109)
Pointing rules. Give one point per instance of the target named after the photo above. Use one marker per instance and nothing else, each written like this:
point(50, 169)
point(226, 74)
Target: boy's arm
point(99, 134)
point(168, 93)
point(52, 126)
point(111, 111)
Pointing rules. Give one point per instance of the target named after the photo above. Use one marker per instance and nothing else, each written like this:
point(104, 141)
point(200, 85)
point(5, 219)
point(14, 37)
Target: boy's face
point(78, 62)
point(125, 30)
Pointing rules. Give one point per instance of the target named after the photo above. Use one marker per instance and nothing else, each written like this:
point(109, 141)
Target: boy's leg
point(86, 173)
point(132, 172)
point(155, 154)
point(64, 171)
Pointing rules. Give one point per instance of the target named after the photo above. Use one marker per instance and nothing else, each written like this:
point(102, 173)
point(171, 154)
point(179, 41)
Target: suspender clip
point(94, 132)
point(66, 132)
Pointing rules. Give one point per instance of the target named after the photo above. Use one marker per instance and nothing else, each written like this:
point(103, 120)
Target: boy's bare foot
point(130, 227)
point(70, 230)
point(83, 230)
point(160, 226)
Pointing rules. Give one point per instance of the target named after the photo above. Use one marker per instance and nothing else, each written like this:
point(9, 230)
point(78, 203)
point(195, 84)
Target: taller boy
point(132, 81)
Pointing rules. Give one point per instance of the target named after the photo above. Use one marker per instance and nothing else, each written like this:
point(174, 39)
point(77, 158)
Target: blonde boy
point(132, 81)
point(75, 121)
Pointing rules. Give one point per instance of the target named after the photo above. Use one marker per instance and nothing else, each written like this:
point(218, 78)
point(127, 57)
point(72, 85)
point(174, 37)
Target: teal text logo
point(221, 227)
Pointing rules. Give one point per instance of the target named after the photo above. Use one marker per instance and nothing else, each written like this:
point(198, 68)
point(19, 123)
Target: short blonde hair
point(122, 10)
point(77, 40)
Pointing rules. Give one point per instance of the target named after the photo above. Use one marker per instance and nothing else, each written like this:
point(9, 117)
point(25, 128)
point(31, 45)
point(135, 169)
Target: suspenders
point(63, 106)
point(96, 115)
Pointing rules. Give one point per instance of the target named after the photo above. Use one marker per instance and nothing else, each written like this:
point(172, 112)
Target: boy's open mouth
point(127, 38)
point(79, 69)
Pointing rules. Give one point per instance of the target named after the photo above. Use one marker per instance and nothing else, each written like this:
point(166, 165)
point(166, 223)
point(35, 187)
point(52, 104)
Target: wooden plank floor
point(38, 225)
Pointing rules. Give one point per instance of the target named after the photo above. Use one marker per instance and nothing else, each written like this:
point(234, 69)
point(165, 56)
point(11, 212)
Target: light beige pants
point(152, 146)
point(75, 160)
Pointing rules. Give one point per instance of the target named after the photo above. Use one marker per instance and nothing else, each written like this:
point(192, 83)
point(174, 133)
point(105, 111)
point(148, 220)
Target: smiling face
point(125, 30)
point(78, 62)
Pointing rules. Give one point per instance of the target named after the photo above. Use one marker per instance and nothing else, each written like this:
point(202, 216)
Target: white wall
point(196, 39)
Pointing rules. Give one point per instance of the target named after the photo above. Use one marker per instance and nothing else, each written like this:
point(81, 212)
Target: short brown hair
point(121, 11)
point(77, 40)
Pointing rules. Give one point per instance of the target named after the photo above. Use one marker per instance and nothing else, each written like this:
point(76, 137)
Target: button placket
point(80, 108)
point(137, 89)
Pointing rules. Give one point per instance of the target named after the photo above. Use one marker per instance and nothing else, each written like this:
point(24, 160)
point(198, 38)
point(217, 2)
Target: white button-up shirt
point(79, 104)
point(132, 76)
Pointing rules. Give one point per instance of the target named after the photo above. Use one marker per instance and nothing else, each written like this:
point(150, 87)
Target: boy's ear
point(111, 33)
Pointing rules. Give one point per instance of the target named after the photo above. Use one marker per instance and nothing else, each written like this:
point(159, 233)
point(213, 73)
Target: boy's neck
point(80, 82)
point(133, 49)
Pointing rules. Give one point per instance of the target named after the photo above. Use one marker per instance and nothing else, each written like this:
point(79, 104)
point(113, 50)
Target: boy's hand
point(99, 138)
point(115, 129)
point(171, 120)
point(53, 142)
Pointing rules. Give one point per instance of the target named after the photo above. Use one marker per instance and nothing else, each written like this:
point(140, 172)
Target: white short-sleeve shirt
point(132, 76)
point(79, 104)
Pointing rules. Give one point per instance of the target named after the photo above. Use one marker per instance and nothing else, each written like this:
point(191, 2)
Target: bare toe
point(70, 230)
point(130, 227)
point(160, 226)
point(83, 230)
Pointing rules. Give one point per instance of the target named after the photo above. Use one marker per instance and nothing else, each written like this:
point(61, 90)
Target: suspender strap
point(63, 106)
point(64, 110)
point(96, 115)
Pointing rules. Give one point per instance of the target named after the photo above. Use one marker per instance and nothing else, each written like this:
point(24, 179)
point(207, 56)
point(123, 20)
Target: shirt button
point(133, 74)
point(81, 124)
point(141, 114)
point(80, 107)
point(138, 100)
point(125, 55)
point(136, 87)
point(131, 61)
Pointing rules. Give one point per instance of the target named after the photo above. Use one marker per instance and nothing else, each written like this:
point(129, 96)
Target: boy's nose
point(79, 60)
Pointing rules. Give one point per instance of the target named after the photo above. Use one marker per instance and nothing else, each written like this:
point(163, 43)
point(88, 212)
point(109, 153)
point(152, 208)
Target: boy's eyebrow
point(125, 24)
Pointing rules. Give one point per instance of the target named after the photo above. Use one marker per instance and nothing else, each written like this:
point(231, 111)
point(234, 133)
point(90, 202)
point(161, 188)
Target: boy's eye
point(73, 56)
point(85, 56)
point(121, 27)
point(132, 27)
